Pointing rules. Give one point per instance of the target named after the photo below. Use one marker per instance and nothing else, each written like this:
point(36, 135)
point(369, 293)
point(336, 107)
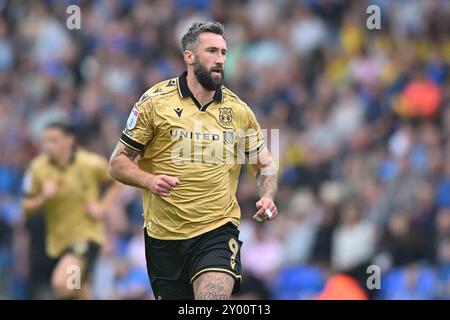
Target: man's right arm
point(123, 168)
point(31, 203)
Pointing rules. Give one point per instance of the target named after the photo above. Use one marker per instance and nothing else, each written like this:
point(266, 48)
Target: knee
point(213, 286)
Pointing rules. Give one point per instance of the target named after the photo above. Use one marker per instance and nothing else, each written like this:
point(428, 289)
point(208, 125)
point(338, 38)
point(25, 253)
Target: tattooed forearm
point(267, 185)
point(266, 174)
point(126, 151)
point(123, 168)
point(213, 286)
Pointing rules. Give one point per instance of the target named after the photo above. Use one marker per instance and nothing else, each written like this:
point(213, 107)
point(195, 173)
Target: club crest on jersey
point(132, 118)
point(225, 116)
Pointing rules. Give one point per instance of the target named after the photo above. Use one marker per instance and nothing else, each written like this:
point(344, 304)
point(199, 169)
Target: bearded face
point(210, 78)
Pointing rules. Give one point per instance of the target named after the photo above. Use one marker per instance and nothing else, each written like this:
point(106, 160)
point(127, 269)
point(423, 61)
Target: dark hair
point(66, 127)
point(191, 36)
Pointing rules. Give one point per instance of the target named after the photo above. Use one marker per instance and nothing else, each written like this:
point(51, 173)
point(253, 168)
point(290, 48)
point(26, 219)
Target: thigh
point(69, 277)
point(216, 259)
point(87, 252)
point(68, 273)
point(166, 268)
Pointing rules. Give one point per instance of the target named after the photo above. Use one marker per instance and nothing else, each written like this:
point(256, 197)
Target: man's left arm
point(267, 182)
point(97, 209)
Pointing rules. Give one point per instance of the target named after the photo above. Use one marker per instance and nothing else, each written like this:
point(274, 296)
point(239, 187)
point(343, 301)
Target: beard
point(205, 78)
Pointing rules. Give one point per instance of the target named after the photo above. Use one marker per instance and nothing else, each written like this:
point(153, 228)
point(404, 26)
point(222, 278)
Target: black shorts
point(86, 250)
point(173, 265)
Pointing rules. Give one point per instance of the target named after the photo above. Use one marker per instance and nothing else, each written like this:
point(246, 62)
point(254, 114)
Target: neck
point(64, 159)
point(202, 94)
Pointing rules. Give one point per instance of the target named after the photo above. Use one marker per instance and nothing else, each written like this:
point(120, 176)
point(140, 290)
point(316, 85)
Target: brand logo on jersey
point(132, 119)
point(171, 83)
point(144, 97)
point(225, 116)
point(178, 112)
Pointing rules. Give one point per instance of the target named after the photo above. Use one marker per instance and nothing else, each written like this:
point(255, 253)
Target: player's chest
point(218, 123)
point(188, 133)
point(72, 181)
point(217, 116)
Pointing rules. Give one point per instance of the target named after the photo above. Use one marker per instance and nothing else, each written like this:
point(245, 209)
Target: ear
point(189, 57)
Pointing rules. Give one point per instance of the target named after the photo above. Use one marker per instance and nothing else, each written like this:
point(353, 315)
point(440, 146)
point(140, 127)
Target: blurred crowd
point(363, 118)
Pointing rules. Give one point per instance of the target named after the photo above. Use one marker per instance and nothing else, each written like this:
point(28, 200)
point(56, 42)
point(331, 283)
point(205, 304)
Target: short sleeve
point(139, 128)
point(253, 138)
point(100, 167)
point(31, 184)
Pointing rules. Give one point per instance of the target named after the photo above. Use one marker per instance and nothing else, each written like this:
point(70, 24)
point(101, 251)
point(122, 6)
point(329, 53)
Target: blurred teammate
point(182, 128)
point(65, 181)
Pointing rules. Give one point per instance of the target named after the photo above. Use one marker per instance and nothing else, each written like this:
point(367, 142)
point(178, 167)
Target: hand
point(49, 189)
point(95, 210)
point(162, 185)
point(262, 205)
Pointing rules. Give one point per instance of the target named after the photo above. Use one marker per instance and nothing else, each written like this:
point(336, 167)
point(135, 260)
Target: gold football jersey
point(204, 146)
point(67, 221)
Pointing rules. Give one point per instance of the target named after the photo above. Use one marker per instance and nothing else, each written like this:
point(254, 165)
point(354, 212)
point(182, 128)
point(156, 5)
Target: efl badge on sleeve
point(225, 116)
point(132, 119)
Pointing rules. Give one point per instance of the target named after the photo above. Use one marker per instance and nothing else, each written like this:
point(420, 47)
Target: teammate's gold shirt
point(201, 145)
point(67, 221)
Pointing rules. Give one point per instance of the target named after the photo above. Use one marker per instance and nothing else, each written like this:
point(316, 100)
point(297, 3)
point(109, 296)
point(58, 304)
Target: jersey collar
point(185, 92)
point(71, 160)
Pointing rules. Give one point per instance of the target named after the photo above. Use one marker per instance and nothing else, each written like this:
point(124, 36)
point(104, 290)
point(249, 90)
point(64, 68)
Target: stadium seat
point(298, 282)
point(394, 285)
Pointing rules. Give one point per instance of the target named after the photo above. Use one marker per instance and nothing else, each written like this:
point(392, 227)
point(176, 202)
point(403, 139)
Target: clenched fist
point(162, 185)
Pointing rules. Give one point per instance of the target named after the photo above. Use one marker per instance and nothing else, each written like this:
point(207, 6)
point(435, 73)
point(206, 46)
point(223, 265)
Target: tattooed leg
point(213, 286)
